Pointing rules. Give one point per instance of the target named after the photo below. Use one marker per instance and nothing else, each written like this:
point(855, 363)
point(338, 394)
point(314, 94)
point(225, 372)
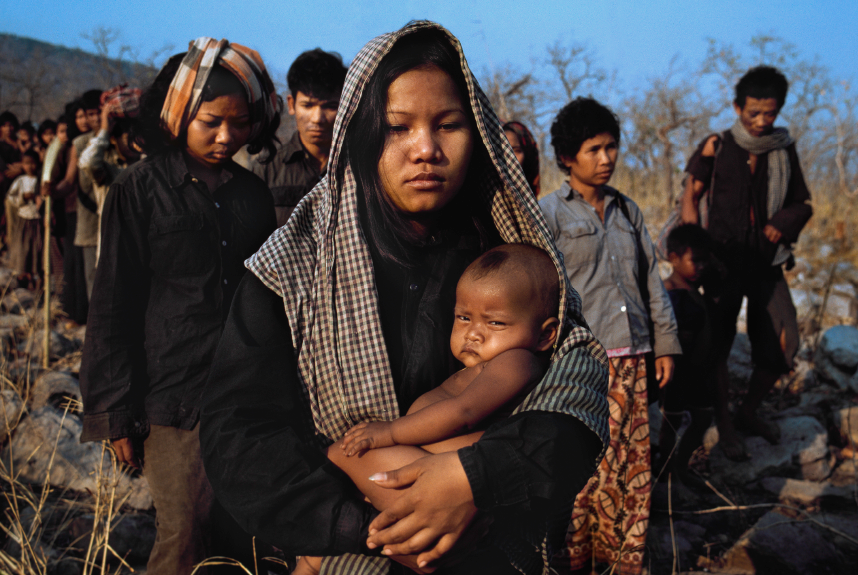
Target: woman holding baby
point(347, 318)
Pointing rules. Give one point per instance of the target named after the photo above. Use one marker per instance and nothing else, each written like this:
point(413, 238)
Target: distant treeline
point(663, 120)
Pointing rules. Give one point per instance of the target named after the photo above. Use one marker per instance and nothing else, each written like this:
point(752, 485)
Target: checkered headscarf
point(320, 265)
point(185, 93)
point(122, 101)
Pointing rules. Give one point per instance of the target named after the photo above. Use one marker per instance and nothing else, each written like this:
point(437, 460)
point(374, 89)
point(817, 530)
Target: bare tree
point(666, 119)
point(574, 66)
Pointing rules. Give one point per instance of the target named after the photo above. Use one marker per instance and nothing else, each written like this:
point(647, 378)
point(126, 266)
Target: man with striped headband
point(176, 229)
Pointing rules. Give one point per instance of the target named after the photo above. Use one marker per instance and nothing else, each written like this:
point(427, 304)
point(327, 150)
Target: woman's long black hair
point(153, 139)
point(389, 229)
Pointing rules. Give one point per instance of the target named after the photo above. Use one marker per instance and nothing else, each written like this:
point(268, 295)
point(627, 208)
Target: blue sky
point(635, 38)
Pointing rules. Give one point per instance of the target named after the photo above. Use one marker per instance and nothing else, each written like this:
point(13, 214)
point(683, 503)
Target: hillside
point(38, 78)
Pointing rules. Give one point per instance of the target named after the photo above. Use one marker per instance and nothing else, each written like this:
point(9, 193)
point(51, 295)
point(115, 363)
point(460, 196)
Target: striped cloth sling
point(320, 265)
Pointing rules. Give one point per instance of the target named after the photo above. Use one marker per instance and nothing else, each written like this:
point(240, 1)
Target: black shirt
point(291, 174)
point(171, 259)
point(738, 193)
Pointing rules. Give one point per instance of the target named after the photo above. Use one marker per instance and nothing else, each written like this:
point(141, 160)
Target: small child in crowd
point(693, 387)
point(24, 221)
point(505, 327)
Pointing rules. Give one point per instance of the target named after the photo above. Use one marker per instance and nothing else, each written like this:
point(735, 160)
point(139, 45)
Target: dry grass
point(37, 518)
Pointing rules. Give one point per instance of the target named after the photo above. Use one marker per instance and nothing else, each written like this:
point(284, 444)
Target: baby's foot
point(308, 566)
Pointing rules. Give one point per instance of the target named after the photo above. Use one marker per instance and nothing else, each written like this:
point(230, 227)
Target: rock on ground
point(809, 492)
point(59, 346)
point(780, 544)
point(18, 300)
point(11, 406)
point(54, 388)
point(836, 357)
point(804, 443)
point(74, 465)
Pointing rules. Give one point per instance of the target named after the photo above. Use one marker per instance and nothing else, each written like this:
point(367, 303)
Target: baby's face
point(493, 316)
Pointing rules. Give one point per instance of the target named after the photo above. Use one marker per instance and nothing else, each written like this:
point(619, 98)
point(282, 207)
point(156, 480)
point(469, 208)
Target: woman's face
point(220, 128)
point(48, 137)
point(63, 133)
point(429, 142)
point(517, 148)
point(80, 121)
point(594, 164)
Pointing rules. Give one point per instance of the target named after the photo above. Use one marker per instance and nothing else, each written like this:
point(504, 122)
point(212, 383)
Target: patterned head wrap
point(320, 265)
point(122, 101)
point(186, 89)
point(531, 152)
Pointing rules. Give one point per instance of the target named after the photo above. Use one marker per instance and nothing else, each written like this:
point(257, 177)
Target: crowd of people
point(430, 366)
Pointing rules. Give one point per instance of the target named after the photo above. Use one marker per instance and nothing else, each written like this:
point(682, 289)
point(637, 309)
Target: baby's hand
point(365, 436)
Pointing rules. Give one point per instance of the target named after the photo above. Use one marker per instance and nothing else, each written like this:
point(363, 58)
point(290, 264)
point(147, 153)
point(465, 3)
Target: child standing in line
point(505, 327)
point(693, 387)
point(25, 233)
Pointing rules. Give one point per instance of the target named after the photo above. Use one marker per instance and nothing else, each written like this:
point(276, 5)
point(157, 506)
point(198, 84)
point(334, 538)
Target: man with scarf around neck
point(756, 203)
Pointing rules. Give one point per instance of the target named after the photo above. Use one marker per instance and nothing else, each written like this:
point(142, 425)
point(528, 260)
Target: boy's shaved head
point(526, 265)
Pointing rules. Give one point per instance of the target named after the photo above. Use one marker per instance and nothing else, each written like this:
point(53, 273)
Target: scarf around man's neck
point(774, 145)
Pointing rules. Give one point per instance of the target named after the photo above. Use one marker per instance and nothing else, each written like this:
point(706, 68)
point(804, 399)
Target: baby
point(505, 327)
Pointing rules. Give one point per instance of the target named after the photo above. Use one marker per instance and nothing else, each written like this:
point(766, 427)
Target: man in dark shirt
point(10, 156)
point(315, 81)
point(757, 204)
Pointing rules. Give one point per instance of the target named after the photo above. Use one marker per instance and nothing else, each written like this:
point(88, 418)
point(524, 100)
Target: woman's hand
point(663, 370)
point(436, 507)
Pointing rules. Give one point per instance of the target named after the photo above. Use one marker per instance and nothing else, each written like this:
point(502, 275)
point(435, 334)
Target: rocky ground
point(791, 508)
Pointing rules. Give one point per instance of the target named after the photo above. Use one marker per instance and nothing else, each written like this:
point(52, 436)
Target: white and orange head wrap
point(185, 93)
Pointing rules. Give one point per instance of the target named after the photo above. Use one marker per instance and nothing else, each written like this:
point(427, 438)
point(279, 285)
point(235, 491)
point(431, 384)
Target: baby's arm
point(501, 380)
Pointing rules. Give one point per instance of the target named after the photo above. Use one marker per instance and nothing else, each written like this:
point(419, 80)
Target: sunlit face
point(29, 165)
point(429, 142)
point(220, 128)
point(63, 133)
point(80, 121)
point(759, 115)
point(93, 119)
point(517, 148)
point(314, 117)
point(593, 165)
point(689, 266)
point(493, 314)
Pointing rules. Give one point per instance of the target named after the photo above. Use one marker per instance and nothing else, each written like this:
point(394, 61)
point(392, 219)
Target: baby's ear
point(548, 334)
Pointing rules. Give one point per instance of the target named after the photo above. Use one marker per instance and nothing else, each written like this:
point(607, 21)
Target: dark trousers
point(772, 323)
point(73, 297)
